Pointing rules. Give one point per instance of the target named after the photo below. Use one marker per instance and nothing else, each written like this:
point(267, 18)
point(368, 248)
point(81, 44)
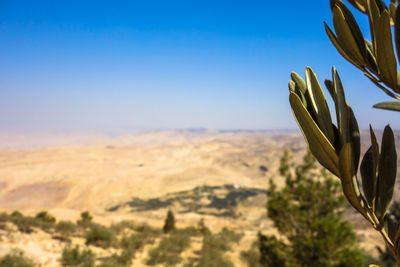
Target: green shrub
point(133, 242)
point(16, 213)
point(251, 257)
point(229, 235)
point(212, 252)
point(46, 217)
point(147, 232)
point(169, 249)
point(85, 220)
point(16, 258)
point(26, 224)
point(122, 225)
point(65, 228)
point(76, 257)
point(124, 259)
point(101, 236)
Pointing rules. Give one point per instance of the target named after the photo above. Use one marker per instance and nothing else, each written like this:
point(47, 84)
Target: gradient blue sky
point(128, 65)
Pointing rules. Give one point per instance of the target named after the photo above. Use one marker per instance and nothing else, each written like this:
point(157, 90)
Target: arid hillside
point(218, 177)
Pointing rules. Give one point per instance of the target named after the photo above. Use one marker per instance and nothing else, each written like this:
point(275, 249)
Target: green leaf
point(331, 89)
point(355, 29)
point(394, 106)
point(387, 64)
point(349, 182)
point(345, 36)
point(359, 4)
point(371, 60)
point(342, 109)
point(319, 145)
point(390, 226)
point(299, 82)
point(375, 157)
point(292, 86)
point(392, 11)
point(321, 107)
point(339, 47)
point(368, 176)
point(354, 139)
point(386, 172)
point(397, 32)
point(373, 16)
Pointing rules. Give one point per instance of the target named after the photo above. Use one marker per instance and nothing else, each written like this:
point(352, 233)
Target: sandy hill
point(218, 176)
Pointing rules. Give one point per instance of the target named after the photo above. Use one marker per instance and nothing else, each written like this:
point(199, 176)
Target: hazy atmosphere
point(132, 65)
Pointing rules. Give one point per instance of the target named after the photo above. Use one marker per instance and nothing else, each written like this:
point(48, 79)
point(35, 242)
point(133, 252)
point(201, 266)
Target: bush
point(26, 224)
point(16, 213)
point(122, 225)
point(101, 236)
point(212, 252)
point(251, 257)
point(122, 260)
point(16, 258)
point(45, 217)
point(229, 235)
point(133, 242)
point(65, 229)
point(76, 257)
point(169, 249)
point(85, 220)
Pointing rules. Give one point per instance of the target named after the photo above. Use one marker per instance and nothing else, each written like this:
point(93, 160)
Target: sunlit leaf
point(322, 110)
point(349, 183)
point(385, 57)
point(345, 36)
point(319, 145)
point(395, 105)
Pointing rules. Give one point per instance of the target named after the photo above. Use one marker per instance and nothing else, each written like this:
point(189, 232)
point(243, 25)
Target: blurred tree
point(169, 222)
point(307, 211)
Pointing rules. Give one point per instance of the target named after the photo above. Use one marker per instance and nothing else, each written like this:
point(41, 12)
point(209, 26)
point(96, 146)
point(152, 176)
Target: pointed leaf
point(292, 86)
point(359, 4)
point(354, 139)
point(386, 172)
point(355, 29)
point(339, 47)
point(345, 36)
point(342, 109)
point(331, 89)
point(397, 31)
point(390, 226)
point(319, 145)
point(373, 16)
point(394, 106)
point(349, 183)
point(392, 11)
point(375, 157)
point(322, 110)
point(385, 57)
point(368, 176)
point(299, 81)
point(370, 59)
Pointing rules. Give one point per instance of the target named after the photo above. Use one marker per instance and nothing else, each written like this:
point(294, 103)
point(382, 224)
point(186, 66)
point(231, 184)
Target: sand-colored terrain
point(103, 175)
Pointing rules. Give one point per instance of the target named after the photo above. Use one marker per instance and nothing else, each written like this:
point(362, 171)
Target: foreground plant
point(337, 147)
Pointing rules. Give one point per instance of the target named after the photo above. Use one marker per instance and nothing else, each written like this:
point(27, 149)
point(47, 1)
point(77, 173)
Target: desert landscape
point(217, 177)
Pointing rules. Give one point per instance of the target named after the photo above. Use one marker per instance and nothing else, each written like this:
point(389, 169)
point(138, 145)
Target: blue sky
point(132, 65)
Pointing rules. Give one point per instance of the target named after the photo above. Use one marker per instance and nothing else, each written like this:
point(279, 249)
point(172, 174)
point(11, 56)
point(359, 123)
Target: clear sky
point(127, 65)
